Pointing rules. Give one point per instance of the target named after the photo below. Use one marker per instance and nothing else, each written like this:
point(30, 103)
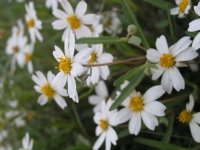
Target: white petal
point(156, 73)
point(177, 79)
point(104, 72)
point(82, 31)
point(174, 11)
point(30, 67)
point(30, 144)
point(94, 99)
point(88, 19)
point(81, 9)
point(71, 86)
point(101, 89)
point(61, 91)
point(161, 45)
point(60, 101)
point(124, 115)
point(98, 131)
point(190, 105)
point(50, 76)
point(108, 143)
point(41, 76)
point(197, 9)
point(37, 88)
point(153, 93)
point(69, 53)
point(67, 7)
point(82, 56)
point(38, 35)
point(65, 34)
point(194, 25)
point(59, 24)
point(57, 53)
point(135, 124)
point(153, 55)
point(195, 131)
point(104, 58)
point(196, 42)
point(186, 55)
point(95, 75)
point(155, 108)
point(59, 14)
point(149, 120)
point(60, 80)
point(42, 99)
point(76, 69)
point(99, 141)
point(98, 116)
point(196, 117)
point(111, 134)
point(181, 45)
point(37, 80)
point(166, 81)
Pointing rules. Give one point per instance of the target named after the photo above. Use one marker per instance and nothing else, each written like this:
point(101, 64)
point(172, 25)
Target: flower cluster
point(77, 63)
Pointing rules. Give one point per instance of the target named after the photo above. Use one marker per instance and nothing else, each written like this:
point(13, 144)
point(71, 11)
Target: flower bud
point(132, 29)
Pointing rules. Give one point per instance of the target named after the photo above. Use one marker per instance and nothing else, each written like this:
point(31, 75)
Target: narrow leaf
point(159, 145)
point(133, 20)
point(99, 40)
point(167, 137)
point(136, 79)
point(161, 4)
point(130, 74)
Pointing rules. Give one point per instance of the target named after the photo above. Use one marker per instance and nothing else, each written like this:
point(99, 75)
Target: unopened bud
point(132, 29)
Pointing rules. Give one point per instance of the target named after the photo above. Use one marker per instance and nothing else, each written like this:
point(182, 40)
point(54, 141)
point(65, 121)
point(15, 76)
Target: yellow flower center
point(93, 57)
point(185, 116)
point(103, 124)
point(167, 60)
point(107, 23)
point(30, 23)
point(65, 65)
point(182, 5)
point(73, 22)
point(15, 49)
point(27, 57)
point(47, 90)
point(136, 104)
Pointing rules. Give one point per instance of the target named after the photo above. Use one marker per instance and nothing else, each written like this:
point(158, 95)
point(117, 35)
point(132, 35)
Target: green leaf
point(98, 40)
point(133, 20)
point(167, 137)
point(130, 74)
point(161, 24)
point(123, 133)
point(136, 79)
point(161, 4)
point(134, 40)
point(159, 145)
point(191, 34)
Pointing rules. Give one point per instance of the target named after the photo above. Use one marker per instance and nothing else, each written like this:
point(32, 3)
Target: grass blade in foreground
point(133, 20)
point(161, 4)
point(136, 79)
point(99, 40)
point(159, 145)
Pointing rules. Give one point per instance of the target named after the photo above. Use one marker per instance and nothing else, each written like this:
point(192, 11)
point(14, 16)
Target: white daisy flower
point(19, 29)
point(187, 116)
point(49, 88)
point(98, 57)
point(111, 23)
point(33, 23)
point(70, 65)
point(144, 107)
point(52, 4)
point(96, 28)
point(75, 21)
point(105, 120)
point(15, 46)
point(27, 53)
point(195, 26)
point(27, 143)
point(182, 9)
point(168, 59)
point(101, 95)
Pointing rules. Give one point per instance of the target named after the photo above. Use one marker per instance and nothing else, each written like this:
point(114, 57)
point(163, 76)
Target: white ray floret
point(49, 88)
point(70, 65)
point(167, 59)
point(142, 107)
point(188, 116)
point(105, 120)
point(73, 20)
